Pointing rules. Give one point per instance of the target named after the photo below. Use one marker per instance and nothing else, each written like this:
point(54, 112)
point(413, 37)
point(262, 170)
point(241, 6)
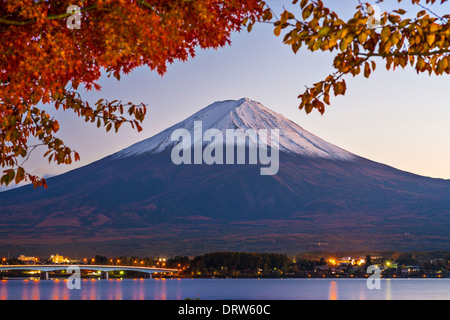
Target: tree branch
point(50, 17)
point(402, 54)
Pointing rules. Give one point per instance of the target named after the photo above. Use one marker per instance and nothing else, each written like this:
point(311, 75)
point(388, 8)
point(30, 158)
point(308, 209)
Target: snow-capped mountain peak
point(244, 114)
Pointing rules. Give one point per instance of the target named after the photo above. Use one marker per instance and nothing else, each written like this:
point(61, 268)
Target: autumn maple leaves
point(421, 40)
point(42, 61)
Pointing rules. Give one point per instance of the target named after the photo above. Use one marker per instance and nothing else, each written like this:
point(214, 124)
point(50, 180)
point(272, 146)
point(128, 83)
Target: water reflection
point(35, 292)
point(138, 289)
point(222, 289)
point(162, 289)
point(362, 294)
point(3, 291)
point(118, 286)
point(387, 283)
point(92, 290)
point(178, 295)
point(333, 291)
point(25, 290)
point(55, 293)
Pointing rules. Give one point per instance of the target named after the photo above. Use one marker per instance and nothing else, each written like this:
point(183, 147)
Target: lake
point(225, 289)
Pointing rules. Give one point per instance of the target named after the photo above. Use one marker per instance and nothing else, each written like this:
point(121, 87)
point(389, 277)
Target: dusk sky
point(397, 117)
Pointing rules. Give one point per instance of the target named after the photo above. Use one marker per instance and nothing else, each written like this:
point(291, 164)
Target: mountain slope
point(138, 202)
point(243, 114)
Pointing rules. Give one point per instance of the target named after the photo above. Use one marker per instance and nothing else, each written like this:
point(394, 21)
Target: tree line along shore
point(434, 264)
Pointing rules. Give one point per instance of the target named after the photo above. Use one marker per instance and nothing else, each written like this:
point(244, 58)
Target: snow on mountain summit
point(243, 114)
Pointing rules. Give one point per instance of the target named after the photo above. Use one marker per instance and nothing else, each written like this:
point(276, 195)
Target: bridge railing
point(104, 268)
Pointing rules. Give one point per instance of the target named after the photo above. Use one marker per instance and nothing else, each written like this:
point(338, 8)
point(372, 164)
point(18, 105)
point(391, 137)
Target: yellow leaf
point(385, 33)
point(430, 39)
point(434, 27)
point(362, 38)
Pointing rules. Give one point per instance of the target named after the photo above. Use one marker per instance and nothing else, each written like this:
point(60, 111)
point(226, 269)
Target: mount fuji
point(243, 114)
point(137, 201)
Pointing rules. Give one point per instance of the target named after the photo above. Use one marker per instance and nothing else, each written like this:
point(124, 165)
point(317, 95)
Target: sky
point(397, 117)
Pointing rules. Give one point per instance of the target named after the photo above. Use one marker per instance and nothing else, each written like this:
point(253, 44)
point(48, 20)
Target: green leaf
point(324, 31)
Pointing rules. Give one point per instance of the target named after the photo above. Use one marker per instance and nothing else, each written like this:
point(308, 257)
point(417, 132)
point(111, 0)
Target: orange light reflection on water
point(36, 291)
point(3, 291)
point(333, 291)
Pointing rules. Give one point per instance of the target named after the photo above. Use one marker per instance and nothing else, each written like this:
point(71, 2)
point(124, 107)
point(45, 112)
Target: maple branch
point(402, 54)
point(146, 4)
point(33, 147)
point(50, 17)
point(433, 13)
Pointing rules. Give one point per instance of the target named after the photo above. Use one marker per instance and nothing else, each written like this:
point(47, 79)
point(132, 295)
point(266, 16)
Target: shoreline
point(6, 278)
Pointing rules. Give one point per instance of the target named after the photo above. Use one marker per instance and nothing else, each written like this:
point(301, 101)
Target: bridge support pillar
point(105, 275)
point(148, 275)
point(44, 275)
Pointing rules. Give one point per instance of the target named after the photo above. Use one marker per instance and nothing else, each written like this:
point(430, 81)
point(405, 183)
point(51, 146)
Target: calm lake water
point(225, 289)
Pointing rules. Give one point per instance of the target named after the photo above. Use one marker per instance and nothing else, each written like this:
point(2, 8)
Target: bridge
point(46, 268)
